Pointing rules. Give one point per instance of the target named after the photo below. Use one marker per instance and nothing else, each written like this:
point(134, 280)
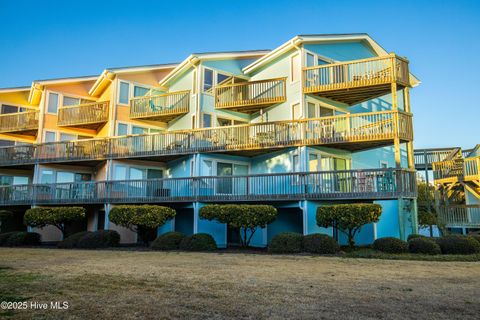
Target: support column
point(406, 103)
point(396, 139)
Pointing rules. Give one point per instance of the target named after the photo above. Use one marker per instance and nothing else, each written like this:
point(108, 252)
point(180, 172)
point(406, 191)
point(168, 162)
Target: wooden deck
point(369, 184)
point(460, 216)
point(20, 122)
point(353, 82)
point(89, 115)
point(163, 107)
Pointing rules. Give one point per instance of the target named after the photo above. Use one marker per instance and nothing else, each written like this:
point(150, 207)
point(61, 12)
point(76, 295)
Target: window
point(296, 163)
point(139, 91)
point(137, 174)
point(313, 163)
point(221, 78)
point(310, 60)
point(20, 180)
point(124, 95)
point(52, 103)
point(120, 173)
point(6, 143)
point(207, 79)
point(69, 101)
point(65, 177)
point(208, 168)
point(207, 120)
point(122, 129)
point(139, 130)
point(295, 68)
point(67, 137)
point(50, 136)
point(9, 109)
point(224, 122)
point(311, 110)
point(326, 112)
point(47, 176)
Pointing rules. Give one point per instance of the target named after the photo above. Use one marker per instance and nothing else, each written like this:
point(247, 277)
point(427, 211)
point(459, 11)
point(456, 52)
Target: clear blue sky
point(49, 39)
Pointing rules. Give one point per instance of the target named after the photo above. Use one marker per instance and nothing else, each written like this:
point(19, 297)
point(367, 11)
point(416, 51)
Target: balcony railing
point(448, 170)
point(250, 96)
point(162, 107)
point(350, 132)
point(322, 185)
point(425, 157)
point(19, 122)
point(472, 169)
point(355, 81)
point(460, 215)
point(89, 115)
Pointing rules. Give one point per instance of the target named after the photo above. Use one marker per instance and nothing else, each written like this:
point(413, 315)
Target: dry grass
point(129, 284)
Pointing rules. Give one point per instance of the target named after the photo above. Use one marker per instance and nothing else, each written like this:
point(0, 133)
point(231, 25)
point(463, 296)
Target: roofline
point(14, 89)
point(65, 80)
point(142, 68)
point(194, 58)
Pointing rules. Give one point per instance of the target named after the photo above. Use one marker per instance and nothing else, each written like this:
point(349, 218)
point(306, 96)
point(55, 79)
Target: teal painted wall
point(342, 51)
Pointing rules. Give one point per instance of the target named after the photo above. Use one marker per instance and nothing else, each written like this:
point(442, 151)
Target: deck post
point(396, 139)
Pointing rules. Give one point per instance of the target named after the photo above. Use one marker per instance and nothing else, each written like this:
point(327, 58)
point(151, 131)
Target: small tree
point(57, 217)
point(137, 218)
point(243, 218)
point(348, 218)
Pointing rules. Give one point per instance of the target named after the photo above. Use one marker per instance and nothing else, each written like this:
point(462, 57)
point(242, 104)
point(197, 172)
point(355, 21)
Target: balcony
point(162, 107)
point(472, 169)
point(250, 97)
point(89, 115)
point(448, 171)
point(20, 122)
point(351, 132)
point(460, 216)
point(356, 81)
point(369, 184)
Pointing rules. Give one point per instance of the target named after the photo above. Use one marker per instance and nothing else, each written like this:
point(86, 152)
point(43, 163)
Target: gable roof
point(195, 58)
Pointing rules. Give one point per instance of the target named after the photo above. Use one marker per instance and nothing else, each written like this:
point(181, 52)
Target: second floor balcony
point(457, 170)
point(350, 132)
point(368, 184)
point(163, 107)
point(89, 115)
point(20, 122)
point(352, 82)
point(459, 216)
point(251, 96)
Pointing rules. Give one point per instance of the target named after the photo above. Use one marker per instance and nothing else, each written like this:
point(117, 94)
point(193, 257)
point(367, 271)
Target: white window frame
point(59, 132)
point(15, 105)
point(131, 89)
point(292, 111)
point(61, 95)
point(214, 80)
point(317, 57)
point(130, 125)
point(232, 162)
point(128, 166)
point(291, 71)
point(323, 154)
point(318, 105)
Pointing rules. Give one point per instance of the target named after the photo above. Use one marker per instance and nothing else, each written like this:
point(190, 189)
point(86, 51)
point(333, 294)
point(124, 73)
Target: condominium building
point(321, 119)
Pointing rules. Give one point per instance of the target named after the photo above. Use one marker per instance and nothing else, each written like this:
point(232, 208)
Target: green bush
point(4, 237)
point(141, 217)
point(320, 243)
point(56, 216)
point(348, 218)
point(475, 235)
point(390, 245)
point(415, 236)
point(168, 241)
point(99, 239)
point(198, 242)
point(458, 244)
point(23, 239)
point(286, 242)
point(72, 241)
point(423, 245)
point(241, 217)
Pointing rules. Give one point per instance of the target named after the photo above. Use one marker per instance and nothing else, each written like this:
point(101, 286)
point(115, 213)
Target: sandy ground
point(129, 285)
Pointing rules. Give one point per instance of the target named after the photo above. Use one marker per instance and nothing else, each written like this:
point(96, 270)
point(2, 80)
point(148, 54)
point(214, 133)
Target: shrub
point(286, 242)
point(23, 239)
point(138, 218)
point(72, 241)
point(475, 235)
point(99, 239)
point(198, 242)
point(415, 236)
point(320, 243)
point(4, 237)
point(241, 217)
point(348, 218)
point(168, 241)
point(57, 217)
point(458, 244)
point(390, 245)
point(423, 245)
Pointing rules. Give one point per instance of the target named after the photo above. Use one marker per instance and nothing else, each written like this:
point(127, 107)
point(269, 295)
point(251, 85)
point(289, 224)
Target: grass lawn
point(134, 284)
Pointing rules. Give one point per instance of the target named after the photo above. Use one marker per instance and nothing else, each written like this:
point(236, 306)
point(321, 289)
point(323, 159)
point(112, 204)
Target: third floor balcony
point(352, 82)
point(89, 115)
point(163, 107)
point(20, 122)
point(251, 96)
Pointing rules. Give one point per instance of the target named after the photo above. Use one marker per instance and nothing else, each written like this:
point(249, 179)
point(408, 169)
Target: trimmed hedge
point(168, 241)
point(198, 242)
point(4, 237)
point(423, 245)
point(99, 239)
point(390, 245)
point(415, 236)
point(458, 244)
point(72, 241)
point(320, 243)
point(23, 239)
point(286, 242)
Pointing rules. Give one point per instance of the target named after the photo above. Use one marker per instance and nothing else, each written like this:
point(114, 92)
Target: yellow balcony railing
point(162, 107)
point(472, 169)
point(355, 81)
point(250, 96)
point(19, 122)
point(89, 115)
